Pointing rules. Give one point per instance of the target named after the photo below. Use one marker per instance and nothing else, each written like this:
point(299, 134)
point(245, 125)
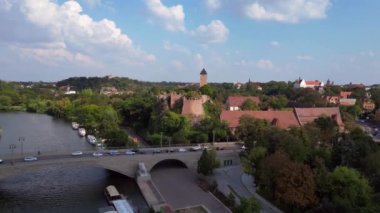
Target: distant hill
point(120, 83)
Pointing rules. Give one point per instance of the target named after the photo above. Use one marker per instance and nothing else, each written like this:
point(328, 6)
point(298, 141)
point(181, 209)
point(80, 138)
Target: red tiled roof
point(345, 94)
point(239, 100)
point(307, 115)
point(284, 119)
point(315, 83)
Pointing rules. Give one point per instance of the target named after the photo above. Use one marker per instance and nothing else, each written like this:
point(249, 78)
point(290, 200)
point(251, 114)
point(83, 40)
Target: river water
point(55, 188)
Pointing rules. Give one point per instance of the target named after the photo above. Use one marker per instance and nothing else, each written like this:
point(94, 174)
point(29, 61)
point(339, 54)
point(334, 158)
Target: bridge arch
point(171, 162)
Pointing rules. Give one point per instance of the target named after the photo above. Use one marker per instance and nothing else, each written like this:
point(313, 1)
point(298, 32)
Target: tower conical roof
point(203, 72)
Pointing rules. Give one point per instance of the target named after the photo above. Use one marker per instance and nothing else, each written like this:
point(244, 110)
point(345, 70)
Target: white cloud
point(275, 43)
point(175, 47)
point(172, 18)
point(369, 53)
point(264, 64)
point(304, 57)
point(290, 11)
point(213, 4)
point(215, 32)
point(63, 34)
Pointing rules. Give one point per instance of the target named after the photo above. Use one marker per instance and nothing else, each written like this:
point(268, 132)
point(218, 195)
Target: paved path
point(233, 179)
point(179, 188)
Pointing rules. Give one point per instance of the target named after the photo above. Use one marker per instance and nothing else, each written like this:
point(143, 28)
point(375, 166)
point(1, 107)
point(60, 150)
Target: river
point(55, 188)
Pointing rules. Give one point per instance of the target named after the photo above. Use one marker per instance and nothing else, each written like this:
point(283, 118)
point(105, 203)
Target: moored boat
point(74, 125)
point(82, 132)
point(117, 200)
point(91, 139)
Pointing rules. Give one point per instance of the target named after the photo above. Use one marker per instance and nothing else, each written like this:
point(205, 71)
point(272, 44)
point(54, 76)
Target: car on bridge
point(130, 152)
point(196, 148)
point(114, 152)
point(77, 153)
point(97, 154)
point(30, 158)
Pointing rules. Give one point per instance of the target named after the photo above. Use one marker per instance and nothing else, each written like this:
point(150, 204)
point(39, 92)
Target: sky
point(172, 40)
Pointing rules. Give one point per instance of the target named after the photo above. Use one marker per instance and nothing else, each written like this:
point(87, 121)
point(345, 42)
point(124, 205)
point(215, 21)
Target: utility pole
point(161, 140)
point(12, 147)
point(21, 140)
point(213, 136)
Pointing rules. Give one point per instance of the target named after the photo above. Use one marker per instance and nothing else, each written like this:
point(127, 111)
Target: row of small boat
point(82, 132)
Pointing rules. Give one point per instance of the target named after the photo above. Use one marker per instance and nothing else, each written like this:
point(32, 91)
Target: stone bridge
point(123, 164)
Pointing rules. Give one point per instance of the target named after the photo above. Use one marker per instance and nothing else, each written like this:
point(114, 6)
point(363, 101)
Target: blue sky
point(172, 40)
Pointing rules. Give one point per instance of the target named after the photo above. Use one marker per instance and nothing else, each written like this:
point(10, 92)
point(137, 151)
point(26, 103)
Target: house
point(301, 83)
point(109, 91)
point(347, 102)
point(66, 89)
point(308, 115)
point(280, 119)
point(368, 105)
point(234, 102)
point(345, 94)
point(332, 99)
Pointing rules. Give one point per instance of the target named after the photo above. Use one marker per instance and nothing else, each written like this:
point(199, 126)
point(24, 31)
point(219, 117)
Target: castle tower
point(203, 78)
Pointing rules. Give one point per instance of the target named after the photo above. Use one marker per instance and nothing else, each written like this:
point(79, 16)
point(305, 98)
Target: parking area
point(179, 188)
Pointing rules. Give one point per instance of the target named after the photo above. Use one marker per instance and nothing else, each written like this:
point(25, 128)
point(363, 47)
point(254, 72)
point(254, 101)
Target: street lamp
point(12, 147)
point(21, 140)
point(213, 136)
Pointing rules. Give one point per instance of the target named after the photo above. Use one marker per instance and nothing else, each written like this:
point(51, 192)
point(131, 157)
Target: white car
point(182, 150)
point(1, 160)
point(97, 154)
point(30, 158)
point(196, 148)
point(77, 153)
point(243, 147)
point(129, 152)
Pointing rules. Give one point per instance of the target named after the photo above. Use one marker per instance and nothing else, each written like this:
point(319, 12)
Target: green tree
point(5, 101)
point(350, 192)
point(328, 127)
point(371, 166)
point(251, 130)
point(249, 105)
point(171, 122)
point(296, 186)
point(207, 162)
point(248, 205)
point(118, 138)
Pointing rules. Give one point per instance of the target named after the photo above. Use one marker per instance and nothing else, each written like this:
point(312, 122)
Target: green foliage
point(350, 192)
point(118, 138)
point(213, 127)
point(251, 130)
point(248, 205)
point(308, 98)
point(171, 122)
point(208, 90)
point(328, 129)
point(5, 101)
point(371, 168)
point(198, 137)
point(249, 105)
point(207, 162)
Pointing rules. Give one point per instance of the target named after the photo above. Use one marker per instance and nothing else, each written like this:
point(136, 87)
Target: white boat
point(82, 132)
point(117, 200)
point(74, 125)
point(91, 139)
